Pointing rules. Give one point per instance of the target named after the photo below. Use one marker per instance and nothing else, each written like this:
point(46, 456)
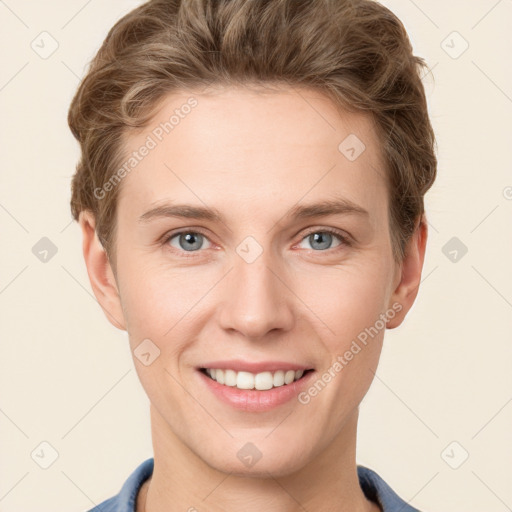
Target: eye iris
point(323, 238)
point(191, 237)
point(194, 240)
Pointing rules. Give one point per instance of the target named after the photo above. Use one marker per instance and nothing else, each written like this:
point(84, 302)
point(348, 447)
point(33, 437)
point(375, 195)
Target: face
point(251, 237)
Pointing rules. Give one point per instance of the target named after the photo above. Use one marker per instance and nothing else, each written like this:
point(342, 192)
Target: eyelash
point(345, 242)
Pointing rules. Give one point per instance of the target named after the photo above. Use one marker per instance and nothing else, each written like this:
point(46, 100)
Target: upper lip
point(239, 365)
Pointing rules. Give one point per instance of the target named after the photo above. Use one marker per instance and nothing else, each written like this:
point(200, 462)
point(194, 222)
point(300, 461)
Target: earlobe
point(410, 274)
point(100, 273)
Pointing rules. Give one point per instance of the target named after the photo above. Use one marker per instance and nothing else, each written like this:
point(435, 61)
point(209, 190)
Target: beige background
point(67, 377)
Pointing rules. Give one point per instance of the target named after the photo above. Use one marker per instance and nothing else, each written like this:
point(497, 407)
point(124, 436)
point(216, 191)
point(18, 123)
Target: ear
point(409, 274)
point(101, 276)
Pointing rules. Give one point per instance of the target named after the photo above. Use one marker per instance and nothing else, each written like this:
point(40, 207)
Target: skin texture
point(254, 155)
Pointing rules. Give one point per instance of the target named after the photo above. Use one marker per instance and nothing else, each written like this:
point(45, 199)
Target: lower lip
point(253, 400)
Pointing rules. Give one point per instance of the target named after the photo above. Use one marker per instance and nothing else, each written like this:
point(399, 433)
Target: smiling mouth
point(259, 381)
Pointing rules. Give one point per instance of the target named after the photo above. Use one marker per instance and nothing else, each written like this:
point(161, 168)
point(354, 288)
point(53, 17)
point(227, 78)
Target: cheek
point(349, 302)
point(345, 300)
point(159, 306)
point(164, 302)
point(156, 297)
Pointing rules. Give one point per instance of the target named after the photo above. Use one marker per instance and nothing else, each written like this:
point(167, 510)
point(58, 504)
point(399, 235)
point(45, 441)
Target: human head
point(355, 52)
point(262, 130)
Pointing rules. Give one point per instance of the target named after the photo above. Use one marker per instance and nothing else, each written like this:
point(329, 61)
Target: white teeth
point(260, 381)
point(230, 378)
point(244, 380)
point(278, 378)
point(289, 377)
point(264, 381)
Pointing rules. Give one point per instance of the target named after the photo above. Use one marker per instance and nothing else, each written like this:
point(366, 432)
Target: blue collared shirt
point(373, 486)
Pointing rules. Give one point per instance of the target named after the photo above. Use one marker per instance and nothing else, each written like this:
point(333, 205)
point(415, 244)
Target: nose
point(256, 298)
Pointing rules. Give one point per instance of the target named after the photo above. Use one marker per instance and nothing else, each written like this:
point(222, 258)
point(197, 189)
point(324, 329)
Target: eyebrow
point(341, 206)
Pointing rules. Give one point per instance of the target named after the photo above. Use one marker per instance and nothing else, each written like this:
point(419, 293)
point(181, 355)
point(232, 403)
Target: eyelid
point(179, 231)
point(165, 239)
point(345, 238)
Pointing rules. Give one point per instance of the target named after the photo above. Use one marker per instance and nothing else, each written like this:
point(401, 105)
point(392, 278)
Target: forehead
point(237, 146)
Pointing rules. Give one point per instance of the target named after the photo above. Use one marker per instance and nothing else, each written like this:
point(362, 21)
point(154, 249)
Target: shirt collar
point(373, 486)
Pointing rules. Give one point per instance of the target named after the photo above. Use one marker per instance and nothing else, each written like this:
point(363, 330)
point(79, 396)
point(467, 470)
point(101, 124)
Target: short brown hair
point(356, 52)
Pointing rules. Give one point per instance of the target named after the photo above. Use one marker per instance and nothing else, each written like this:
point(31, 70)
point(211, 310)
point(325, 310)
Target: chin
point(250, 461)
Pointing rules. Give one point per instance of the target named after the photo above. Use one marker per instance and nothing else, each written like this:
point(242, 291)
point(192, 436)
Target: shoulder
point(110, 505)
point(125, 500)
point(377, 490)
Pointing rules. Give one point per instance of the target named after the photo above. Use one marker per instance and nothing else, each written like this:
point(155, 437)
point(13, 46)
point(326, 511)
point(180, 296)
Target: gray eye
point(321, 240)
point(188, 241)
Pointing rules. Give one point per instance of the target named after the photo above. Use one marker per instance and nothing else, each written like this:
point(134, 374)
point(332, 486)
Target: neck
point(181, 480)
